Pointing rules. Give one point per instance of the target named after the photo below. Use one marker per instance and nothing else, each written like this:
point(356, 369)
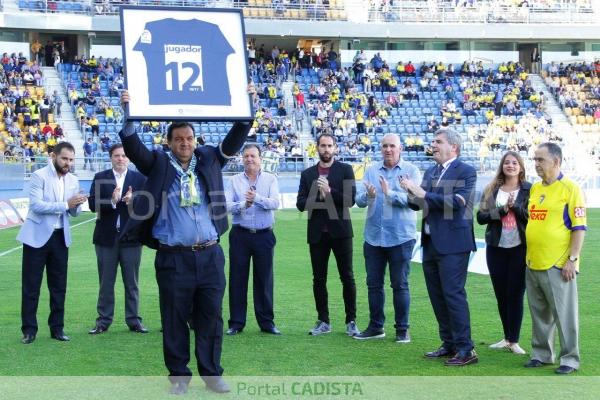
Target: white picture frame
point(185, 64)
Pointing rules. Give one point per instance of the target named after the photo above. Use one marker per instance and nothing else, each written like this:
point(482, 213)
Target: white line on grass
point(20, 247)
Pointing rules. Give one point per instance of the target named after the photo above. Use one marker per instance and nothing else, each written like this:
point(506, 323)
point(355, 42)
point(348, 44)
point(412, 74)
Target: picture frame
point(184, 63)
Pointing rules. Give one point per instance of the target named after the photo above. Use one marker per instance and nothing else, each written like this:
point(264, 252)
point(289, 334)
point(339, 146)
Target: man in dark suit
point(327, 191)
point(182, 213)
point(110, 196)
point(446, 198)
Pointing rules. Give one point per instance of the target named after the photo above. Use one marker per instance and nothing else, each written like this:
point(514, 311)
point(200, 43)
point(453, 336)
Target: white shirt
point(120, 179)
point(444, 169)
point(60, 184)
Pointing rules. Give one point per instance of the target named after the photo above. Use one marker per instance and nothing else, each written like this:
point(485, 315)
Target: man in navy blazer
point(182, 213)
point(446, 198)
point(327, 191)
point(110, 195)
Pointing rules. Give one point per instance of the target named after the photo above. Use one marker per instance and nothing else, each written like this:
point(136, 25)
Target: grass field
point(122, 353)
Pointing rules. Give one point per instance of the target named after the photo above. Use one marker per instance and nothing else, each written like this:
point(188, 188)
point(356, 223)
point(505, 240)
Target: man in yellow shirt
point(554, 235)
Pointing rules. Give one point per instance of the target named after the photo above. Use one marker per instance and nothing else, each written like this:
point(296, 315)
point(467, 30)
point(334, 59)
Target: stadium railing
point(482, 12)
point(411, 11)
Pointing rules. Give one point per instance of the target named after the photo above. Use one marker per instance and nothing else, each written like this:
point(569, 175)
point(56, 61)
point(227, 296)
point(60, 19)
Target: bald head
point(390, 149)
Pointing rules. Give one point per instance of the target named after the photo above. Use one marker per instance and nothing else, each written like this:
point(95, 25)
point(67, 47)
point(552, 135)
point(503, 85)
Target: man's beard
point(325, 157)
point(58, 169)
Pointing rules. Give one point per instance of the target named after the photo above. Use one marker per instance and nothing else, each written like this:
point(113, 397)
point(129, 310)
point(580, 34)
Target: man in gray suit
point(110, 195)
point(46, 237)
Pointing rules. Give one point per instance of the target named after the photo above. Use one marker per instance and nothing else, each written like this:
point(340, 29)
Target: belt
point(250, 230)
point(194, 247)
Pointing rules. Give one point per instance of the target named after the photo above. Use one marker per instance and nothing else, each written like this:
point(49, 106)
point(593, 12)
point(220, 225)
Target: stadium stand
point(27, 127)
point(359, 104)
point(576, 87)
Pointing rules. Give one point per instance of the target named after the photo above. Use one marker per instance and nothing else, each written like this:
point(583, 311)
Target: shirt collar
point(398, 165)
point(257, 175)
point(447, 163)
point(119, 175)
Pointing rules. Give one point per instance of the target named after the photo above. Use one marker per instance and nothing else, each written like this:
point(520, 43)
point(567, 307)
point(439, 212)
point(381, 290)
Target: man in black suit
point(182, 213)
point(327, 191)
point(446, 198)
point(110, 196)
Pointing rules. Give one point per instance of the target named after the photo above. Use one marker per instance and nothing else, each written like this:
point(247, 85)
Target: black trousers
point(260, 248)
point(54, 256)
point(507, 271)
point(191, 281)
point(319, 257)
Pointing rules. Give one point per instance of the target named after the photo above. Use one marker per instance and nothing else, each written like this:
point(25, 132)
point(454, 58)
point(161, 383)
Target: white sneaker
point(515, 348)
point(500, 345)
point(320, 328)
point(352, 329)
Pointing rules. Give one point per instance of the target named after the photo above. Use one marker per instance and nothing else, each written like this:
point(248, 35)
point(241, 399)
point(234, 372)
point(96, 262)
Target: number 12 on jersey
point(183, 68)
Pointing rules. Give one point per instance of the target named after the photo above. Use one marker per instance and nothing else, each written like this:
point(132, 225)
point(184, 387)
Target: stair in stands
point(67, 120)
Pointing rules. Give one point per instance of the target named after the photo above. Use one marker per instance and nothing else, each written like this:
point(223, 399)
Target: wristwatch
point(573, 258)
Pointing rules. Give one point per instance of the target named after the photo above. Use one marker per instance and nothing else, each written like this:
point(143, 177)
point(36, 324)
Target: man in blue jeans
point(389, 237)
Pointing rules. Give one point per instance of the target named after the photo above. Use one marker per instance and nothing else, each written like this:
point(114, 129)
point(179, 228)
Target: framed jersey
point(185, 63)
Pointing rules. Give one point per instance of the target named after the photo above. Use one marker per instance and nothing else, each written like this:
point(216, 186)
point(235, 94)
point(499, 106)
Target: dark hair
point(554, 150)
point(63, 145)
point(114, 147)
point(252, 145)
point(177, 125)
point(329, 135)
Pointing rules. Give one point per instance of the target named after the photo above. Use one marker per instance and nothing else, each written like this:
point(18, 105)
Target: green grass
point(122, 353)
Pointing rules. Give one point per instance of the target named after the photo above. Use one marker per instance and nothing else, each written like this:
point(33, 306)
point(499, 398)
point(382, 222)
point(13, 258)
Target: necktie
point(437, 173)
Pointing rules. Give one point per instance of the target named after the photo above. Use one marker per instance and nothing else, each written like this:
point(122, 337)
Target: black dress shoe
point(565, 370)
point(60, 336)
point(216, 384)
point(178, 388)
point(98, 329)
point(533, 363)
point(462, 358)
point(440, 353)
point(234, 331)
point(28, 338)
point(138, 328)
point(272, 330)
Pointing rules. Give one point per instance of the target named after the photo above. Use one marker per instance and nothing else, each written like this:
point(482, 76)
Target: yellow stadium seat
point(246, 12)
point(581, 120)
point(51, 118)
point(573, 120)
point(589, 119)
point(251, 3)
point(568, 111)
